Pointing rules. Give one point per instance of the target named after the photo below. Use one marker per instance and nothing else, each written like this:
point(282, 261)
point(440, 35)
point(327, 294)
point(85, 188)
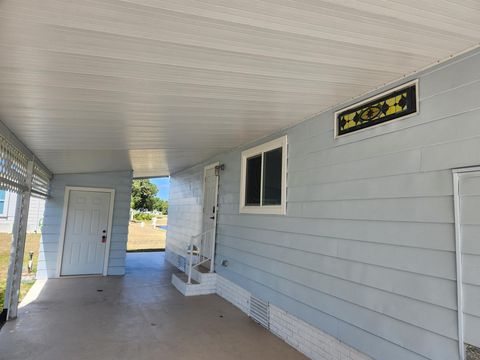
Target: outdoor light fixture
point(219, 168)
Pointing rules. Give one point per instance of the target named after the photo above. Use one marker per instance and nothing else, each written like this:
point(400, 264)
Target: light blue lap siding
point(121, 182)
point(366, 251)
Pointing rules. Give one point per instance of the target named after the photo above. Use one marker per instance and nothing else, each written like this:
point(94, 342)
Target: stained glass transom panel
point(387, 107)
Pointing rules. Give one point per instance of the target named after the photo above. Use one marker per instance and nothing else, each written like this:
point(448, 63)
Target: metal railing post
point(190, 261)
point(212, 252)
point(204, 253)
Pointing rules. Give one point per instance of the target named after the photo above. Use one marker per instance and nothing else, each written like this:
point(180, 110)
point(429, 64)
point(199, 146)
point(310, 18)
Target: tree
point(143, 195)
point(161, 205)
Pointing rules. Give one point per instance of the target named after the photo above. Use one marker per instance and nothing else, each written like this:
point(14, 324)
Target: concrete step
point(204, 276)
point(179, 280)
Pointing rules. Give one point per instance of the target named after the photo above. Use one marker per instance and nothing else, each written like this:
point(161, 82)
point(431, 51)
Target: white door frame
point(63, 227)
point(457, 175)
point(214, 232)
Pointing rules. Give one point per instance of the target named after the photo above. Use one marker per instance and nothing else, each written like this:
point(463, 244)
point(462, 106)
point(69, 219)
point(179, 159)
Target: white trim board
point(457, 175)
point(61, 241)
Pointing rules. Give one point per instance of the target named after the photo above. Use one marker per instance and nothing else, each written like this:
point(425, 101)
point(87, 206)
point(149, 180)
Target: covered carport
point(96, 93)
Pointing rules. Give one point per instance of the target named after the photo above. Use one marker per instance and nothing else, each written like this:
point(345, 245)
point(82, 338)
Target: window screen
point(253, 179)
point(272, 177)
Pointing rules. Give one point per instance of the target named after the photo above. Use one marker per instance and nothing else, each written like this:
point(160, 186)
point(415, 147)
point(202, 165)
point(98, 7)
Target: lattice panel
point(40, 182)
point(13, 167)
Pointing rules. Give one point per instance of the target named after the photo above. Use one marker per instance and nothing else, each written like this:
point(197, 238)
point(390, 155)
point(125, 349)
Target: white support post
point(13, 248)
point(17, 249)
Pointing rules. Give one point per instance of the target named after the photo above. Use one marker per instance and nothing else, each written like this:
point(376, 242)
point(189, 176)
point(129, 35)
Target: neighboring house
point(8, 202)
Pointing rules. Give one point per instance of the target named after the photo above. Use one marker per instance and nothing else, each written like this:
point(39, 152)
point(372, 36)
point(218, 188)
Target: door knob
point(212, 217)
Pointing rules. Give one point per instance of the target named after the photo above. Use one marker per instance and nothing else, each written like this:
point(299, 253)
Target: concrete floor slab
point(137, 316)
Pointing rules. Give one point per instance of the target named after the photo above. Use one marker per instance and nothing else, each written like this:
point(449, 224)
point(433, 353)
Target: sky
point(163, 185)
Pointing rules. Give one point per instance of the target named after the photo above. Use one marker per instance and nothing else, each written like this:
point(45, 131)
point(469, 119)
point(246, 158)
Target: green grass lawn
point(146, 238)
point(33, 244)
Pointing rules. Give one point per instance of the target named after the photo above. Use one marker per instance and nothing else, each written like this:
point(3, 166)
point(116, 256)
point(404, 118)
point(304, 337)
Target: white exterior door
point(209, 210)
point(86, 229)
point(469, 226)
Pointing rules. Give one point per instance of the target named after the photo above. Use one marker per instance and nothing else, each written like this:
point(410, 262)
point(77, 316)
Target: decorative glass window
point(394, 104)
point(263, 178)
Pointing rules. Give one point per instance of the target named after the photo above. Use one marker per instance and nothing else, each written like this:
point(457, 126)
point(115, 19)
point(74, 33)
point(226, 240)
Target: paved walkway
point(137, 316)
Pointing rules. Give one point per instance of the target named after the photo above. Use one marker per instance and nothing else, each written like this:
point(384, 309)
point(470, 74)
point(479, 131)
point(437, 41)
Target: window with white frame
point(263, 182)
point(3, 209)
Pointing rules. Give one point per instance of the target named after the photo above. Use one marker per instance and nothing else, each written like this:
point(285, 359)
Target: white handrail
point(200, 246)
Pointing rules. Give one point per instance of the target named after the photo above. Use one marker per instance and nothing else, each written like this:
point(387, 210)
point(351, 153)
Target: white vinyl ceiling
point(158, 85)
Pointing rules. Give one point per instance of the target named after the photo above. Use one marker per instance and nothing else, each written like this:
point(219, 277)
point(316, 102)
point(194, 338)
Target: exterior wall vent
point(259, 311)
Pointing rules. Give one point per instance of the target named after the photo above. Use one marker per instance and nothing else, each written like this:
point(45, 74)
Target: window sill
point(264, 210)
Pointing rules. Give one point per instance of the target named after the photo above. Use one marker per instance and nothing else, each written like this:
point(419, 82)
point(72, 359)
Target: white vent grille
point(259, 311)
